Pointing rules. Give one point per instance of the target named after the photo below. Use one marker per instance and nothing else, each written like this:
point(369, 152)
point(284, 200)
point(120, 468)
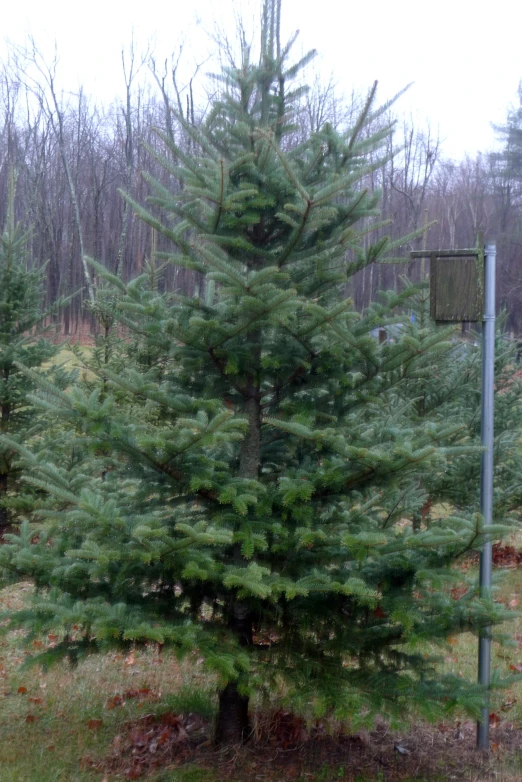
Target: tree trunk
point(232, 724)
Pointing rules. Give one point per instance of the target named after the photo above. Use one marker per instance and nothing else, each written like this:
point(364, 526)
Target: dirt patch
point(283, 747)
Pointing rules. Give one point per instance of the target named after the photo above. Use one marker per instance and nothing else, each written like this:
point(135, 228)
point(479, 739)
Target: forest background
point(72, 155)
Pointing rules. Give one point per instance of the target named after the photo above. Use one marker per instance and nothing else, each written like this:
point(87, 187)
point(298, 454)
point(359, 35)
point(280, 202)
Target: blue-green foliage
point(252, 457)
point(23, 339)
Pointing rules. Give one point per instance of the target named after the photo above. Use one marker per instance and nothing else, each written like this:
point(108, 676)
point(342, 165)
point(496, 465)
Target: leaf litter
point(283, 746)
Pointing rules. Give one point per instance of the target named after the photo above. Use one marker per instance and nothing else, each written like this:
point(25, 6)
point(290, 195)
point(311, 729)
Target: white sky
point(464, 57)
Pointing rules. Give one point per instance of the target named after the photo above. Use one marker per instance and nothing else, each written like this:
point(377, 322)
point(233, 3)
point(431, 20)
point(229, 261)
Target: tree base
point(232, 726)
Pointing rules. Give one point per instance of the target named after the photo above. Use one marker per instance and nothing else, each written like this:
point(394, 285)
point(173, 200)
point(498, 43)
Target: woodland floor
point(146, 716)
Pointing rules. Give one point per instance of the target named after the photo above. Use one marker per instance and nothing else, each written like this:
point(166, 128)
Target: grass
point(52, 721)
point(61, 724)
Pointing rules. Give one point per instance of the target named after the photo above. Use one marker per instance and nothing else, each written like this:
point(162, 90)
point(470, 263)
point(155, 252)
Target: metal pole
point(486, 474)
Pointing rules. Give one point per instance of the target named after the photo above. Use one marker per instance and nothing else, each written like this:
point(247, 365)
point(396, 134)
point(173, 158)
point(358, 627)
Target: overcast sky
point(464, 57)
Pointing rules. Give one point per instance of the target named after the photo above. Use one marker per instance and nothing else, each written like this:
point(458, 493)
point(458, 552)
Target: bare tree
point(40, 77)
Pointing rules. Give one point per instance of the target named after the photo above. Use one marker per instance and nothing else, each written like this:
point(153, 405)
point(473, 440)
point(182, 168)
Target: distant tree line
point(72, 157)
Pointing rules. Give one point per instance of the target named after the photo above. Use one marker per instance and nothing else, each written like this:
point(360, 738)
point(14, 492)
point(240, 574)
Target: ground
point(144, 715)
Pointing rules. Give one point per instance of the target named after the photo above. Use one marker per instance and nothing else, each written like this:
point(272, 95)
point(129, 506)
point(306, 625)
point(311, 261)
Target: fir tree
point(246, 469)
point(448, 391)
point(23, 340)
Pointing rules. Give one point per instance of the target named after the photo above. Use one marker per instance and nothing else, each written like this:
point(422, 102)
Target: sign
point(456, 285)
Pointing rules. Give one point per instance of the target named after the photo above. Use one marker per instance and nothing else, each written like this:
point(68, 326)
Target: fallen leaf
point(116, 700)
point(34, 700)
point(94, 724)
point(139, 738)
point(516, 667)
point(494, 720)
point(22, 690)
point(30, 718)
point(169, 718)
point(164, 736)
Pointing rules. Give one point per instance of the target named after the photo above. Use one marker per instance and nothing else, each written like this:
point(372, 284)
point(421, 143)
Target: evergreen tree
point(452, 393)
point(247, 467)
point(507, 164)
point(23, 340)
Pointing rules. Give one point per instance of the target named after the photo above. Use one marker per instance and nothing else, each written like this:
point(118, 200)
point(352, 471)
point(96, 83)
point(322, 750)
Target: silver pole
point(486, 475)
